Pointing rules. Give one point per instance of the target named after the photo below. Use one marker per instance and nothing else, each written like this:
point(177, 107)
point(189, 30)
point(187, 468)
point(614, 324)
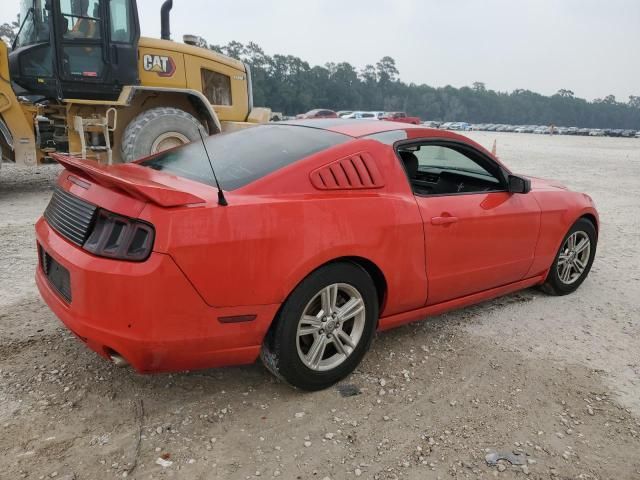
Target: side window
point(216, 87)
point(82, 19)
point(119, 11)
point(446, 170)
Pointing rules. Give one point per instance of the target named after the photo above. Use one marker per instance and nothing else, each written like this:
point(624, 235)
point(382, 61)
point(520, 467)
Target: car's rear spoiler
point(131, 178)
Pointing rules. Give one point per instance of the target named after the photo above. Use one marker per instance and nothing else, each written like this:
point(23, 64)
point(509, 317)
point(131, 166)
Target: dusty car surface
point(325, 232)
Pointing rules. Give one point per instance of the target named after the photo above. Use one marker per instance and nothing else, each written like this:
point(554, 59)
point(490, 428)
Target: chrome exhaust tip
point(118, 360)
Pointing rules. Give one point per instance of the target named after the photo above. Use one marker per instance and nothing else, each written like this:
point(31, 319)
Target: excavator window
point(119, 10)
point(78, 22)
point(34, 23)
point(216, 87)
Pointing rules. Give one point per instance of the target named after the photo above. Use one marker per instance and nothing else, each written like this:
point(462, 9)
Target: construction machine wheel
point(158, 129)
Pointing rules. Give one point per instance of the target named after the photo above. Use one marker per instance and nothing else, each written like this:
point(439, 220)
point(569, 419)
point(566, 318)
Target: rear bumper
point(149, 313)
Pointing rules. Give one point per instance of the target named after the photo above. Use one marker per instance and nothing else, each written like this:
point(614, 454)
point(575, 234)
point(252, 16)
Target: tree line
point(288, 84)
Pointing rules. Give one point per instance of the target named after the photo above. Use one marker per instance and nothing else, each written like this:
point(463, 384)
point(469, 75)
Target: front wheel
point(574, 259)
point(324, 328)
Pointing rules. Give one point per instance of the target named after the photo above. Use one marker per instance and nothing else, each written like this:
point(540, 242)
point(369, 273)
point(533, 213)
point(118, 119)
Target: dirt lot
point(555, 378)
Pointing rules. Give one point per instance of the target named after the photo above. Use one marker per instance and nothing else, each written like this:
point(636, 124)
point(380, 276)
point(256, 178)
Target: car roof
point(353, 128)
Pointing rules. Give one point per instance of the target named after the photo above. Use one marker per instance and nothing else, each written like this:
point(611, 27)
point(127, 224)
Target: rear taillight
point(115, 236)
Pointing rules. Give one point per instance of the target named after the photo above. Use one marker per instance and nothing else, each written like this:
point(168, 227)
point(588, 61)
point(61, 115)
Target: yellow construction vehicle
point(81, 80)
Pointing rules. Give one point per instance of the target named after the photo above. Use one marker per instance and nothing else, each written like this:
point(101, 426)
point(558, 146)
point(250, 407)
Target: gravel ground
point(555, 379)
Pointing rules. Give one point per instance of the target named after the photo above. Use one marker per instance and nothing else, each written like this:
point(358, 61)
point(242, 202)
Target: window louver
point(354, 172)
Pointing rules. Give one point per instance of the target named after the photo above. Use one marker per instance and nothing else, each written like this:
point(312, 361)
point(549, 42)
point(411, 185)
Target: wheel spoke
point(309, 325)
point(350, 309)
point(571, 242)
point(338, 344)
point(582, 246)
point(329, 297)
point(346, 338)
point(579, 265)
point(316, 352)
point(566, 273)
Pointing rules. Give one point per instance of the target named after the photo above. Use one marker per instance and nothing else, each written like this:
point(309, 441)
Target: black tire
point(554, 285)
point(141, 133)
point(280, 348)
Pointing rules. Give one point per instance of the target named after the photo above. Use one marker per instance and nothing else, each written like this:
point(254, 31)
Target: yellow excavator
point(81, 80)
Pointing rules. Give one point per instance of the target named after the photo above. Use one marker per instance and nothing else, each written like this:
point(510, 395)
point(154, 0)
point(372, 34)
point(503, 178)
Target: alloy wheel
point(574, 257)
point(331, 326)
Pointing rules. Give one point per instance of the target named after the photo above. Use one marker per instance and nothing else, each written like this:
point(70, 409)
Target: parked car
point(344, 113)
point(151, 264)
point(400, 117)
point(596, 132)
point(276, 117)
point(317, 113)
point(638, 134)
point(431, 124)
point(628, 133)
point(362, 116)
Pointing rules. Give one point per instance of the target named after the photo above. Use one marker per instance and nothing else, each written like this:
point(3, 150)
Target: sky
point(588, 46)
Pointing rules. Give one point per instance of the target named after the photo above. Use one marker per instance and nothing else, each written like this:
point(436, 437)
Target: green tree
point(289, 84)
point(8, 32)
point(563, 92)
point(479, 87)
point(386, 70)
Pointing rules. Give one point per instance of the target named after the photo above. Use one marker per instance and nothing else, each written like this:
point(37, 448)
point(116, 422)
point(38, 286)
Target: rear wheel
point(324, 328)
point(158, 129)
point(574, 259)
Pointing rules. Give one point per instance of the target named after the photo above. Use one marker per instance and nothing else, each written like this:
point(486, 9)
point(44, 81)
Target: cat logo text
point(162, 65)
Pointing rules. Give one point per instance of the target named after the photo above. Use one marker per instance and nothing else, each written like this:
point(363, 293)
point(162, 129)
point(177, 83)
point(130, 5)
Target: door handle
point(443, 220)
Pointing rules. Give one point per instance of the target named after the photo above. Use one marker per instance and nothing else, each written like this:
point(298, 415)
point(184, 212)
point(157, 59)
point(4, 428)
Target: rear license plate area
point(57, 276)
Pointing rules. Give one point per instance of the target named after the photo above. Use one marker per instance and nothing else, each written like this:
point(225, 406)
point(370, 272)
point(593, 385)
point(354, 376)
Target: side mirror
point(519, 184)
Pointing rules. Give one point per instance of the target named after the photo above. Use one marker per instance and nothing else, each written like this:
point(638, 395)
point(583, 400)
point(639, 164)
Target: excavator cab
point(81, 49)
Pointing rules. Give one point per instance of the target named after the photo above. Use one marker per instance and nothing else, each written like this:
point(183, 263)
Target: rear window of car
point(246, 155)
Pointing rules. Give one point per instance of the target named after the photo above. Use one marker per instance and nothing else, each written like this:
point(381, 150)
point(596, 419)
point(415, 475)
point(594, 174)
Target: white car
point(596, 132)
point(363, 116)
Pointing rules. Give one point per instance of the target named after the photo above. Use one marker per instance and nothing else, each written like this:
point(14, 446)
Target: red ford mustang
point(331, 230)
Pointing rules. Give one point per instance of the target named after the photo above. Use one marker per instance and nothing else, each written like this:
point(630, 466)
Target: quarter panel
point(256, 250)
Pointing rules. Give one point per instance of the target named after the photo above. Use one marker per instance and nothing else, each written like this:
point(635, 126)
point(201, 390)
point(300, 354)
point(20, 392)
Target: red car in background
point(401, 117)
point(317, 113)
point(324, 232)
